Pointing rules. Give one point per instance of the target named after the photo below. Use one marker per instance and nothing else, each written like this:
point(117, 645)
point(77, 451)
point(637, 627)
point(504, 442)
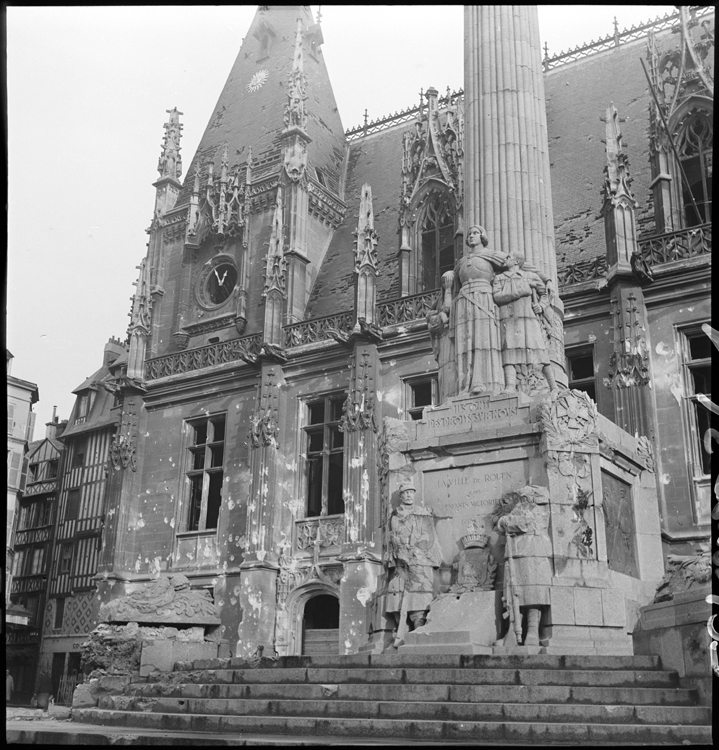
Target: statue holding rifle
point(524, 518)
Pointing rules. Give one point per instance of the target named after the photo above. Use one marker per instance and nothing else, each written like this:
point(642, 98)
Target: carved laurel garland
point(569, 420)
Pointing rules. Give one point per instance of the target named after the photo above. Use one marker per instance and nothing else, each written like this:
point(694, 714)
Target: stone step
point(448, 661)
point(397, 709)
point(657, 696)
point(406, 729)
point(443, 676)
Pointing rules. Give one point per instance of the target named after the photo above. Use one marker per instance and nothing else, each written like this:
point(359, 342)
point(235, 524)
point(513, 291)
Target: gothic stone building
point(280, 314)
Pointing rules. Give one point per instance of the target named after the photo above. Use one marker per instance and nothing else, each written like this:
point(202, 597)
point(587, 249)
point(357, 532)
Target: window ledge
point(206, 532)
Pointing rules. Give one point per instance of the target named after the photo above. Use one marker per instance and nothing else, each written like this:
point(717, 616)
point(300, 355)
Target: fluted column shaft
point(506, 155)
point(507, 184)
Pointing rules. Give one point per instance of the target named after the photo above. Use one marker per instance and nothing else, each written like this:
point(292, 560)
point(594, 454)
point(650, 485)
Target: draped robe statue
point(464, 325)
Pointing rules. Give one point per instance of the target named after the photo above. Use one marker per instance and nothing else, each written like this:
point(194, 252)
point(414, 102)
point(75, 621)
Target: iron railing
point(617, 38)
point(404, 115)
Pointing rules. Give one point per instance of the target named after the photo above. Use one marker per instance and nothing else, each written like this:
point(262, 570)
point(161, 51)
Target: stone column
point(629, 365)
point(361, 544)
point(506, 152)
point(258, 588)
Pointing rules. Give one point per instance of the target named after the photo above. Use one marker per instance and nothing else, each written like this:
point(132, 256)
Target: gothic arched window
point(436, 232)
point(694, 146)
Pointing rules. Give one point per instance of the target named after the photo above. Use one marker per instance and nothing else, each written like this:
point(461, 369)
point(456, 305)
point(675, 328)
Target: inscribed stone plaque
point(471, 414)
point(462, 495)
point(619, 523)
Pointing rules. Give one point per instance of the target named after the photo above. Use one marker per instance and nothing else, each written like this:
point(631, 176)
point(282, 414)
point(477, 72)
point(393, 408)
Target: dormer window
point(265, 34)
point(320, 177)
point(314, 38)
point(85, 400)
point(52, 468)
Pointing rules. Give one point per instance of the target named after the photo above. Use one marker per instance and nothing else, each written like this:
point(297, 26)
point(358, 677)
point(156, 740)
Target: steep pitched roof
point(250, 110)
point(377, 160)
point(100, 414)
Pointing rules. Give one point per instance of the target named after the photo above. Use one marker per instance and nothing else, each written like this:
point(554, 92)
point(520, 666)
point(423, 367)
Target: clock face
point(257, 80)
point(221, 283)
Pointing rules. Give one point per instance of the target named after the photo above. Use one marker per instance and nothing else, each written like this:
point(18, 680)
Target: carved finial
point(617, 180)
point(248, 171)
point(276, 263)
point(365, 252)
point(319, 13)
point(170, 163)
point(223, 165)
point(295, 115)
point(546, 51)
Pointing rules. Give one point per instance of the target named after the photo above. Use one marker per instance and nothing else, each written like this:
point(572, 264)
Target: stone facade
point(279, 361)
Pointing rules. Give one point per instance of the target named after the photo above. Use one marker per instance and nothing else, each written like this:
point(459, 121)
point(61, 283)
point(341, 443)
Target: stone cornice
point(325, 206)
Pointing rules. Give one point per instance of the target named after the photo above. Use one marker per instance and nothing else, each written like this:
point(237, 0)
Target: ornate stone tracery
point(324, 532)
point(629, 361)
point(684, 91)
point(432, 169)
point(225, 200)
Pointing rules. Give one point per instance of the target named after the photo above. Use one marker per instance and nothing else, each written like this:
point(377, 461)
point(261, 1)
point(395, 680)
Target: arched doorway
point(321, 626)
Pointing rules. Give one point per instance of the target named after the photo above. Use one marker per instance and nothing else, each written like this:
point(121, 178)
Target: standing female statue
point(472, 326)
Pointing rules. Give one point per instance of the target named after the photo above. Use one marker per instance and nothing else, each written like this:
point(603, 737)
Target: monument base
point(523, 650)
point(591, 551)
point(456, 624)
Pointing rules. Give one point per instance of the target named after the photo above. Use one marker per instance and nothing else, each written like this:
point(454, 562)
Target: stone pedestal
point(603, 537)
point(258, 602)
point(676, 631)
point(357, 586)
point(458, 624)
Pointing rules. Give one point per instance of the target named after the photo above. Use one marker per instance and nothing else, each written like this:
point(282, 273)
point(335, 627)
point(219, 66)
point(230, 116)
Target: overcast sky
point(88, 90)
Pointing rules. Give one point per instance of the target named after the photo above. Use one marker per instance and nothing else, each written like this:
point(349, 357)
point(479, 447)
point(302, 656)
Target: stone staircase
point(395, 698)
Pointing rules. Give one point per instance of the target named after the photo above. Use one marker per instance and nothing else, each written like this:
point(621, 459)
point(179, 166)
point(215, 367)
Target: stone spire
point(170, 162)
point(619, 203)
point(365, 262)
point(295, 115)
point(167, 186)
point(140, 322)
point(274, 292)
point(629, 366)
